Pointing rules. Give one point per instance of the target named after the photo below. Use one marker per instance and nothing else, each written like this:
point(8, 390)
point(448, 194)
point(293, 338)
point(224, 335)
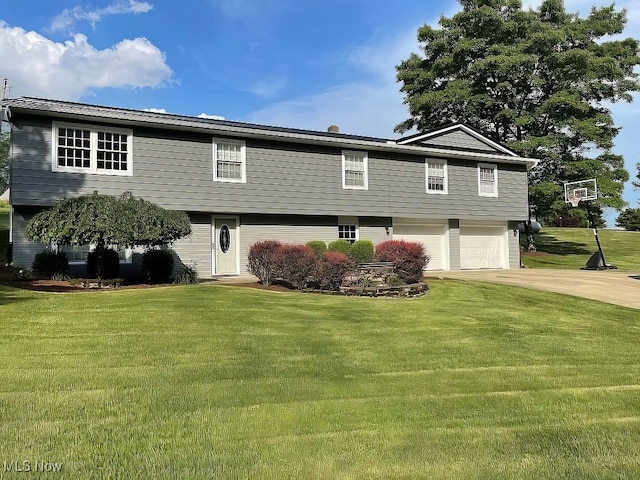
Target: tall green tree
point(4, 162)
point(538, 81)
point(629, 219)
point(103, 220)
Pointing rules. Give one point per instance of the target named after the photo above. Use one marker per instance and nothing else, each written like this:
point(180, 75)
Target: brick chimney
point(333, 129)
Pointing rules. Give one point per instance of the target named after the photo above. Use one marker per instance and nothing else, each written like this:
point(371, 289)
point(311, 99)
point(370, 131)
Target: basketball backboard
point(580, 191)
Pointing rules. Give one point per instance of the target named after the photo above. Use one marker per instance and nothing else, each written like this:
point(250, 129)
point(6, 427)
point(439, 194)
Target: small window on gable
point(92, 149)
point(487, 180)
point(355, 170)
point(436, 176)
point(229, 161)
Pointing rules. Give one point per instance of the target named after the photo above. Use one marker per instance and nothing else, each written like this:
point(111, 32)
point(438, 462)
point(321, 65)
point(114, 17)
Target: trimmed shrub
point(362, 251)
point(47, 264)
point(263, 256)
point(186, 276)
point(111, 264)
point(295, 264)
point(409, 258)
point(342, 246)
point(331, 269)
point(157, 265)
point(318, 247)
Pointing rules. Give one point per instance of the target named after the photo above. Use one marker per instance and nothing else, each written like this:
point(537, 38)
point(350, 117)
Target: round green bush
point(341, 246)
point(157, 265)
point(47, 264)
point(362, 251)
point(111, 264)
point(318, 247)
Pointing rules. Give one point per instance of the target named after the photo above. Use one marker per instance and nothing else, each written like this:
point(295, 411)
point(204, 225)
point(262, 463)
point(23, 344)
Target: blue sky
point(305, 64)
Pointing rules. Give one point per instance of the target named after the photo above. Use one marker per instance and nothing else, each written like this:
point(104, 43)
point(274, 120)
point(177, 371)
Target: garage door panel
point(482, 247)
point(433, 237)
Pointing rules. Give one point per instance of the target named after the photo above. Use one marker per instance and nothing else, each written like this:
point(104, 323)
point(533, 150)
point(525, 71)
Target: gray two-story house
point(454, 190)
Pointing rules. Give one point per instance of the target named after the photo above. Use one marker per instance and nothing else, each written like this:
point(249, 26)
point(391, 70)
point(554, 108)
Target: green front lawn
point(572, 247)
point(471, 381)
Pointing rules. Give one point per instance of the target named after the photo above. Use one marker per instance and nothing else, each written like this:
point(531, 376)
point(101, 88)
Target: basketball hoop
point(582, 190)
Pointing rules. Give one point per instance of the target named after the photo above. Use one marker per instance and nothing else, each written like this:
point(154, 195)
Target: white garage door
point(483, 247)
point(433, 237)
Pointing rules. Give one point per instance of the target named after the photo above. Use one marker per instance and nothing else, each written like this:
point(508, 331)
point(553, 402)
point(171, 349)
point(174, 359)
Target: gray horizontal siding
point(24, 250)
point(514, 245)
point(286, 229)
point(459, 139)
point(176, 171)
point(454, 244)
point(195, 250)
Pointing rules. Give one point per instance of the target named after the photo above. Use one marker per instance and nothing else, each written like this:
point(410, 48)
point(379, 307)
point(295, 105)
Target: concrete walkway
point(610, 286)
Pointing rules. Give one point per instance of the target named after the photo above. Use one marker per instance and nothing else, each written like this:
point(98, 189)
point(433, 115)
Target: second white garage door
point(433, 237)
point(483, 247)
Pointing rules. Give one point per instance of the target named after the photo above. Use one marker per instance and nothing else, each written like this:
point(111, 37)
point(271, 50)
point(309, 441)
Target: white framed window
point(436, 171)
point(77, 254)
point(355, 167)
point(229, 160)
point(348, 232)
point(92, 149)
point(487, 180)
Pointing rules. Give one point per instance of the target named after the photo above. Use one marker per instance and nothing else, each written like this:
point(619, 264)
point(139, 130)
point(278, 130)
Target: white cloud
point(211, 117)
point(66, 20)
point(71, 69)
point(155, 110)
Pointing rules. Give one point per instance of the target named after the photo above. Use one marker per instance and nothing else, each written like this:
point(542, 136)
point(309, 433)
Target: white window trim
point(93, 137)
point(365, 163)
point(446, 176)
point(495, 179)
point(243, 159)
point(128, 254)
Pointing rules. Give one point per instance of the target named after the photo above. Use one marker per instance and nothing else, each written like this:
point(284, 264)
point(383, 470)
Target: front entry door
point(225, 246)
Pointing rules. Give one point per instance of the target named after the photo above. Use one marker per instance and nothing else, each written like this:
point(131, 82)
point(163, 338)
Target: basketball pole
point(595, 233)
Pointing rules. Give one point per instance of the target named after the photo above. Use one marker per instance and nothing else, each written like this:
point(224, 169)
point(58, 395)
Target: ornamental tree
point(104, 220)
point(538, 81)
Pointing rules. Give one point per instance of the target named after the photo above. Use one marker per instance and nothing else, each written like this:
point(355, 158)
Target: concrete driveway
point(611, 286)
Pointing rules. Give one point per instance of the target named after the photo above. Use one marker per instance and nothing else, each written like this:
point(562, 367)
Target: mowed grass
point(470, 381)
point(572, 247)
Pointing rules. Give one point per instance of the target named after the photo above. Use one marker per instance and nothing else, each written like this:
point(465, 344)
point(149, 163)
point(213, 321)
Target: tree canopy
point(629, 219)
point(104, 220)
point(125, 221)
point(538, 81)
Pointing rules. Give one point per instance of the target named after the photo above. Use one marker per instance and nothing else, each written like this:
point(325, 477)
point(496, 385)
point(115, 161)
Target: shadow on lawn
point(10, 295)
point(550, 244)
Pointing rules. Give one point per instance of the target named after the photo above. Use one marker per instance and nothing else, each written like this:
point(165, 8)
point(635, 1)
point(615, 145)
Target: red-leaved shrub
point(263, 260)
point(409, 258)
point(295, 264)
point(331, 269)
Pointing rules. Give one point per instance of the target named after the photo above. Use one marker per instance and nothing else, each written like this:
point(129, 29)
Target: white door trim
point(214, 242)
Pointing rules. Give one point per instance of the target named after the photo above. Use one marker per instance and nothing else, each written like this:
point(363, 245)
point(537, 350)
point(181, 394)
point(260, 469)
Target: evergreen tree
point(537, 81)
